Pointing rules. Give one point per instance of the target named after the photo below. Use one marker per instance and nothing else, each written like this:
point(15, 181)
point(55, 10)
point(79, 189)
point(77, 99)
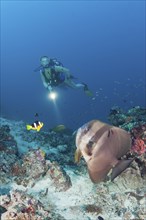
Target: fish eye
point(90, 144)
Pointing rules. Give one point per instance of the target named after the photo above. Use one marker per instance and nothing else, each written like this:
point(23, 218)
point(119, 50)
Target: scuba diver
point(54, 74)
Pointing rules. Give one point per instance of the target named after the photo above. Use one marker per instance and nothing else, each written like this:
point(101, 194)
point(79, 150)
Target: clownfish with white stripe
point(36, 126)
point(103, 146)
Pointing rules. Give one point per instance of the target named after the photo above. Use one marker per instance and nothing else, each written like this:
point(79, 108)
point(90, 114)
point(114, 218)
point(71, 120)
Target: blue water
point(101, 42)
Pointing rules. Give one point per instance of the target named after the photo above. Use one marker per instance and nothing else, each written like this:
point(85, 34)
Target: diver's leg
point(74, 85)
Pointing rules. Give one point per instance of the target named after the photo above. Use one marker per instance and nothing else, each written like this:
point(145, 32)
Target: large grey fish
point(102, 146)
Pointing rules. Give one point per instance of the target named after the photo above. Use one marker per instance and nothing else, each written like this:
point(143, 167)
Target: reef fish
point(62, 129)
point(102, 146)
point(36, 126)
point(58, 128)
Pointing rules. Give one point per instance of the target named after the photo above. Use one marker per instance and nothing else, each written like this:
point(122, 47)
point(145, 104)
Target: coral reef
point(40, 181)
point(129, 119)
point(34, 167)
point(134, 121)
point(7, 141)
point(21, 206)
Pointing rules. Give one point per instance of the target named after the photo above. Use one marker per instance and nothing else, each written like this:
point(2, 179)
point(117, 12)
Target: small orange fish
point(36, 126)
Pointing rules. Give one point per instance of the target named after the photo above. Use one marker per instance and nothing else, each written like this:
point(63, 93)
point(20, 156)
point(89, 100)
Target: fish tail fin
point(78, 155)
point(28, 127)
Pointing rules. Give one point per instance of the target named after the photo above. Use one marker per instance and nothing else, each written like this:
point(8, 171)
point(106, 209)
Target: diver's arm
point(61, 69)
point(46, 85)
point(44, 82)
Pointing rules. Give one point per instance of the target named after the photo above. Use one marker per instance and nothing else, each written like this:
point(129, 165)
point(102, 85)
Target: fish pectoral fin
point(78, 155)
point(120, 167)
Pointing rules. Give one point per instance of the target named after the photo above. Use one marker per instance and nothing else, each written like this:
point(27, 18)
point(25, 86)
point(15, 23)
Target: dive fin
point(87, 91)
point(120, 167)
point(78, 155)
point(28, 127)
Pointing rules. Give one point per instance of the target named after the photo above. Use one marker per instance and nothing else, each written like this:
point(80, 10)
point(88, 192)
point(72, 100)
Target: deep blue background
point(101, 42)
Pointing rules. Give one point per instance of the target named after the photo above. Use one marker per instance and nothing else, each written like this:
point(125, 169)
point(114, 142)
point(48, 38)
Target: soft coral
point(138, 146)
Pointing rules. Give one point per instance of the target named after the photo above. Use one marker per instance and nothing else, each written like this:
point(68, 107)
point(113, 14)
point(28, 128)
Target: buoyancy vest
point(51, 76)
